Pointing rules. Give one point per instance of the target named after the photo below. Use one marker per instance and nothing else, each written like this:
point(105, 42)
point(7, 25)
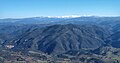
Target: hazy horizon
point(38, 8)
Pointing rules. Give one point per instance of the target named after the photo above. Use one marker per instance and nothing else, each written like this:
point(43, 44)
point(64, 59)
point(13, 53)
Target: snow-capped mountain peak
point(71, 16)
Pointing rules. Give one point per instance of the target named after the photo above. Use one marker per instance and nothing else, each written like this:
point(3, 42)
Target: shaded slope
point(61, 38)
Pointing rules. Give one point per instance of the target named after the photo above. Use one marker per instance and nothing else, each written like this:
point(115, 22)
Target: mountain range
point(61, 36)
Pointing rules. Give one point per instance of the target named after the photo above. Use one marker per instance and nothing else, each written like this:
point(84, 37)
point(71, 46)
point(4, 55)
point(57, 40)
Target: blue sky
point(37, 8)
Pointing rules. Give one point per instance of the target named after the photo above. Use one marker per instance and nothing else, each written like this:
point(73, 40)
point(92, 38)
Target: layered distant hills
point(60, 35)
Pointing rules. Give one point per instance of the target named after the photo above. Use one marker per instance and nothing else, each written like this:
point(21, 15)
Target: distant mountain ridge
point(55, 20)
point(58, 35)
